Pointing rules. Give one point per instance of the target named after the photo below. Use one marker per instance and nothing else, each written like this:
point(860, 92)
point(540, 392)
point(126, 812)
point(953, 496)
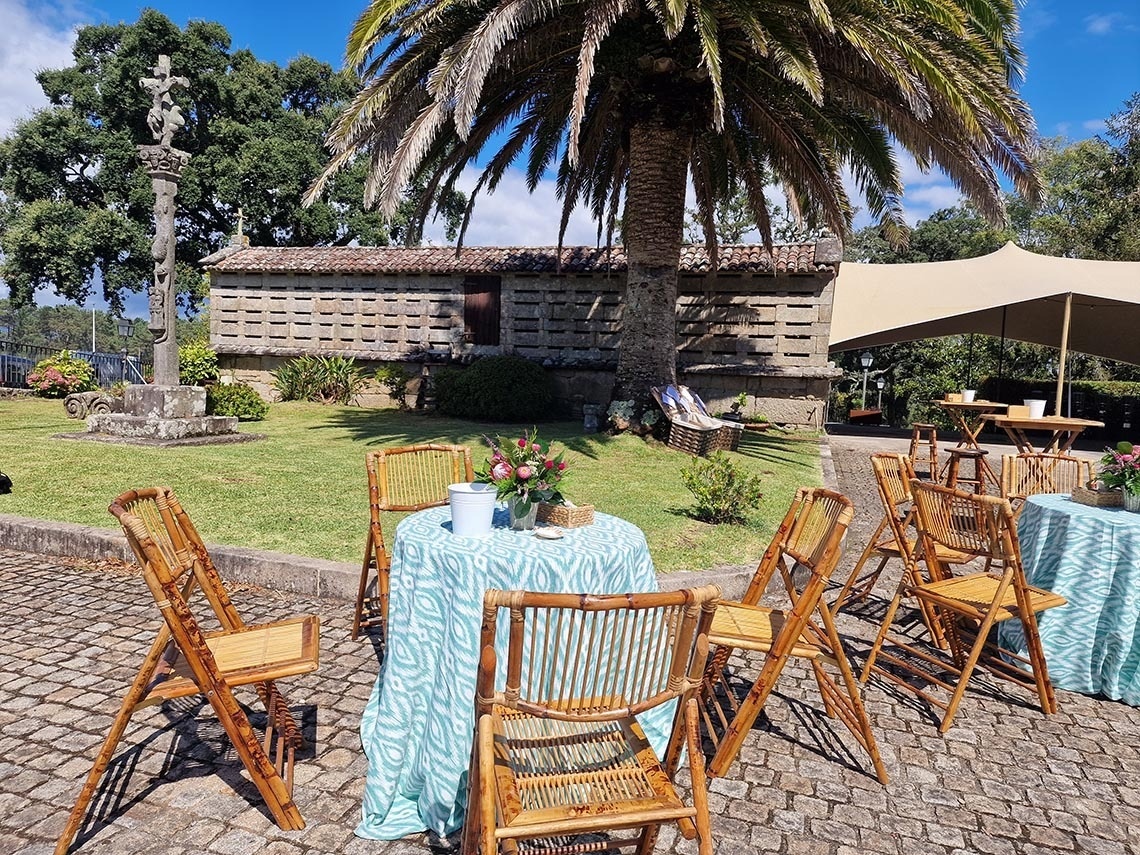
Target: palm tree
point(631, 98)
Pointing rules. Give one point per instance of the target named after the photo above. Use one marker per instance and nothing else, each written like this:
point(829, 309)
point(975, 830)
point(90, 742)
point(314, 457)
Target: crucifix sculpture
point(164, 164)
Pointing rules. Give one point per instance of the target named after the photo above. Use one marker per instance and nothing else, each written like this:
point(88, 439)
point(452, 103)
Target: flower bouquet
point(524, 473)
point(1120, 467)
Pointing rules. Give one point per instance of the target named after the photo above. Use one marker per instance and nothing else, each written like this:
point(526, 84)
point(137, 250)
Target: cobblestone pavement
point(1005, 779)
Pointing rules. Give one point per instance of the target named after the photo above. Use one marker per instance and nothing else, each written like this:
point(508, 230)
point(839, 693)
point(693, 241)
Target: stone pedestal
point(163, 414)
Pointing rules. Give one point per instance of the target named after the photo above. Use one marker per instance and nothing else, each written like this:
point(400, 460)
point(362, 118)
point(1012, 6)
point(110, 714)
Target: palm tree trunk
point(653, 224)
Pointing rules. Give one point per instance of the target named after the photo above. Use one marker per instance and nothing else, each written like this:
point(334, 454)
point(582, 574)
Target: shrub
point(324, 379)
point(197, 363)
point(395, 379)
point(496, 388)
point(235, 399)
point(722, 491)
point(60, 375)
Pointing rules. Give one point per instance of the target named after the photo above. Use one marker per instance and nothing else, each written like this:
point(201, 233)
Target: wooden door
point(481, 306)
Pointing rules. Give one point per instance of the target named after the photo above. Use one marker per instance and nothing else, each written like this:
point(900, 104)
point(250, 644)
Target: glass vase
point(1132, 502)
point(522, 513)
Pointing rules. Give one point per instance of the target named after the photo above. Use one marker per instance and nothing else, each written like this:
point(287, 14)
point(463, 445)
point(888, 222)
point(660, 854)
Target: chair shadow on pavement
point(199, 748)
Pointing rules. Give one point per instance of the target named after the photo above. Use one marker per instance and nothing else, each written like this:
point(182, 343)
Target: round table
point(418, 724)
point(1091, 556)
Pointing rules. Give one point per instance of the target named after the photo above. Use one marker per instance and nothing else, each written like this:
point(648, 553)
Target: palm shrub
point(60, 375)
point(324, 379)
point(629, 100)
point(235, 399)
point(723, 492)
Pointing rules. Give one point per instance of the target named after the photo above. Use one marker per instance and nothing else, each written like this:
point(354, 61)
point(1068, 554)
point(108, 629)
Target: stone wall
point(763, 334)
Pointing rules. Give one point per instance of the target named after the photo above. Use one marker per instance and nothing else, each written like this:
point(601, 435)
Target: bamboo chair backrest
point(174, 536)
point(965, 521)
point(595, 657)
point(893, 474)
point(811, 535)
point(415, 477)
point(1025, 475)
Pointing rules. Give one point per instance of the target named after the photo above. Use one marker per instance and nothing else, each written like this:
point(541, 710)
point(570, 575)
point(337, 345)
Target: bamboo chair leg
point(364, 573)
point(647, 841)
point(487, 785)
point(745, 717)
point(868, 550)
point(968, 667)
point(699, 779)
point(884, 628)
point(134, 695)
point(471, 828)
point(1041, 679)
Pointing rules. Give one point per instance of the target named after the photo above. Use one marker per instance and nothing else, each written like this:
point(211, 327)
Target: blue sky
point(1083, 63)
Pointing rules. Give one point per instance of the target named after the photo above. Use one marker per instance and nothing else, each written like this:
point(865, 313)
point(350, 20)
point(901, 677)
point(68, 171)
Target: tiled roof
point(789, 258)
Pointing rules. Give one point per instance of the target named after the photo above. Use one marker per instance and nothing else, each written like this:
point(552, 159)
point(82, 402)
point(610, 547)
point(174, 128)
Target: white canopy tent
point(1089, 306)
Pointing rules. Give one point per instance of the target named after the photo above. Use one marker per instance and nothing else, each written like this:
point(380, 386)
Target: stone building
point(758, 324)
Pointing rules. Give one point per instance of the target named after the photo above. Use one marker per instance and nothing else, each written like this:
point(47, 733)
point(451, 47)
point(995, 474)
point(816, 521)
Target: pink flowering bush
point(524, 468)
point(1120, 467)
point(60, 375)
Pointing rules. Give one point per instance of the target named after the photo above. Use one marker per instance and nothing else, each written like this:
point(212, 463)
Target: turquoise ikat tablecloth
point(418, 724)
point(1091, 556)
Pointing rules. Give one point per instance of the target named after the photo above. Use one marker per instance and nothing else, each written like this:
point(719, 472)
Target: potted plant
point(1120, 468)
point(736, 414)
point(524, 473)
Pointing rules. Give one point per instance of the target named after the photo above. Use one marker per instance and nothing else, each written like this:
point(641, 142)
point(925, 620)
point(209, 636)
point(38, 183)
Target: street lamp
point(125, 329)
point(865, 359)
point(880, 382)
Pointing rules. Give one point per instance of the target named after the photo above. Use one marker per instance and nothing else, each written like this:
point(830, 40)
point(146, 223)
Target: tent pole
point(1001, 353)
point(1064, 352)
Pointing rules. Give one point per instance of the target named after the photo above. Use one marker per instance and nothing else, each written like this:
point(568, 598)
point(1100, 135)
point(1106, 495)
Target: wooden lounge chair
point(185, 661)
point(408, 478)
point(558, 750)
point(969, 605)
point(808, 539)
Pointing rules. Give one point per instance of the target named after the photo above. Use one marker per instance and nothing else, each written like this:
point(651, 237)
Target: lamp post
point(880, 382)
point(125, 329)
point(865, 359)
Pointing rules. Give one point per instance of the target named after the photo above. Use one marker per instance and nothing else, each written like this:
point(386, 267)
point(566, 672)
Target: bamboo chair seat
point(755, 628)
point(973, 595)
point(619, 775)
point(253, 654)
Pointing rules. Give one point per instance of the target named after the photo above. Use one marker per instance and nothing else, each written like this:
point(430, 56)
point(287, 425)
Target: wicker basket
point(693, 440)
point(728, 437)
point(1098, 498)
point(566, 516)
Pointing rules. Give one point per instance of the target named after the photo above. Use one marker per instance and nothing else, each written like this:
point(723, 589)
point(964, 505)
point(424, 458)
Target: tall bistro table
point(1064, 431)
point(969, 418)
point(418, 724)
point(1091, 556)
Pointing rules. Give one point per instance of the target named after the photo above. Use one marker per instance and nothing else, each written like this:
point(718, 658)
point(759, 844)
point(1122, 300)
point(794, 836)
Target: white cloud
point(1102, 25)
point(1094, 126)
point(1035, 19)
point(511, 216)
point(30, 40)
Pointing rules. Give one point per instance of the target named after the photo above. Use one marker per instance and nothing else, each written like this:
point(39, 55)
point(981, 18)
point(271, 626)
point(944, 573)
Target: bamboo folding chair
point(809, 538)
point(409, 478)
point(969, 605)
point(558, 750)
point(892, 539)
point(184, 661)
point(1025, 475)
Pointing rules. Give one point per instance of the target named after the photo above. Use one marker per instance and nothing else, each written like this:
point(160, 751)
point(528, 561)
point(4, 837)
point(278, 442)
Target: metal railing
point(17, 360)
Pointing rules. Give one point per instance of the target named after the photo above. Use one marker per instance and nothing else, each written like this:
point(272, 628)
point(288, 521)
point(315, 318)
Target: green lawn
point(304, 491)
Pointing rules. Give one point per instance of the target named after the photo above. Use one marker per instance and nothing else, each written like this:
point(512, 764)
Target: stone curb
point(310, 577)
point(827, 464)
point(277, 571)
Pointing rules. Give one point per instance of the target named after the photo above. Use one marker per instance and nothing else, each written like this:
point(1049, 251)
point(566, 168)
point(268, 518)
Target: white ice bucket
point(968, 395)
point(1036, 407)
point(472, 508)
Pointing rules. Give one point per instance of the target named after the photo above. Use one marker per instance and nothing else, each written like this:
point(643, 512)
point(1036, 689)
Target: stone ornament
point(165, 117)
point(80, 405)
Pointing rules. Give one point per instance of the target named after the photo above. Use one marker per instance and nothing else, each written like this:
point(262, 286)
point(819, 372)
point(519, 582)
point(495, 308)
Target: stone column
point(164, 165)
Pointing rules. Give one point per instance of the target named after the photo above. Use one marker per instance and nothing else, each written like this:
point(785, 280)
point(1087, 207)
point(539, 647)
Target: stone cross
point(164, 164)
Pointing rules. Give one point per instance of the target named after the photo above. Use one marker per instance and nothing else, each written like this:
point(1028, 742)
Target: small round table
point(1091, 556)
point(418, 724)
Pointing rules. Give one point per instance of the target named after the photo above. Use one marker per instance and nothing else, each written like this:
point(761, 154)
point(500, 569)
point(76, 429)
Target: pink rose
point(548, 464)
point(524, 472)
point(522, 443)
point(501, 471)
point(561, 466)
point(536, 447)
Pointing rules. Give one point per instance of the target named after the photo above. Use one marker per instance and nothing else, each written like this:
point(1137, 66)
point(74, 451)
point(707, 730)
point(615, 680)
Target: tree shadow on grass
point(378, 428)
point(775, 449)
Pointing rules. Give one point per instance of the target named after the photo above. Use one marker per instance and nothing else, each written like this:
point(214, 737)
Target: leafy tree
point(946, 235)
point(77, 204)
point(629, 98)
